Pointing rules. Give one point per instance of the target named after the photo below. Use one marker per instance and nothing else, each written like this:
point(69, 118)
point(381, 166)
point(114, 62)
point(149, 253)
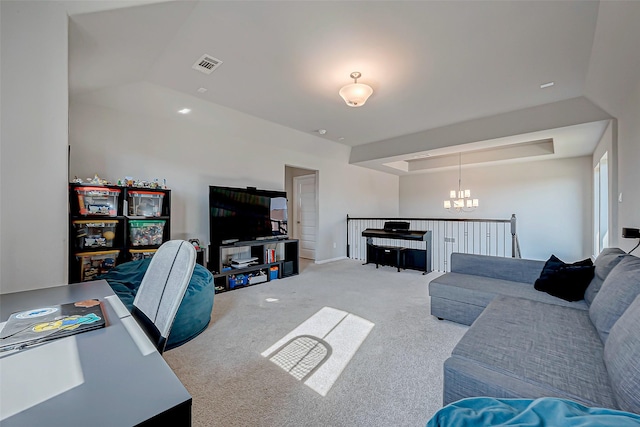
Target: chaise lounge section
point(525, 345)
point(476, 280)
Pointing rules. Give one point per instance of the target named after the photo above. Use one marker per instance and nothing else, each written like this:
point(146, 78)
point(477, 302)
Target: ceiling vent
point(206, 64)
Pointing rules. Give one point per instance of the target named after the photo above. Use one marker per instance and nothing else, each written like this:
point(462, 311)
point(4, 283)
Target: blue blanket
point(546, 411)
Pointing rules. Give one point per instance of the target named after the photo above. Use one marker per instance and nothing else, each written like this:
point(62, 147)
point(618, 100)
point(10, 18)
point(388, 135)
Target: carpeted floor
point(394, 378)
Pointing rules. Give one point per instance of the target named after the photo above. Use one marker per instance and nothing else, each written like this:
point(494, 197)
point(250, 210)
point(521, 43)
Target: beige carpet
point(393, 379)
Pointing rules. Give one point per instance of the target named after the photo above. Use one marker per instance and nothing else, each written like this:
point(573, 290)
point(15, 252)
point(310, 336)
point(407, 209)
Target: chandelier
point(356, 94)
point(460, 200)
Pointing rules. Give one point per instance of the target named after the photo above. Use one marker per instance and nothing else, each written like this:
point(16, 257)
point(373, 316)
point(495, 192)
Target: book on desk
point(42, 324)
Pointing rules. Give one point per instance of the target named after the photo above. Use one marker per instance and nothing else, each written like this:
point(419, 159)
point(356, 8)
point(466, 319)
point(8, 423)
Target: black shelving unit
point(227, 278)
point(85, 260)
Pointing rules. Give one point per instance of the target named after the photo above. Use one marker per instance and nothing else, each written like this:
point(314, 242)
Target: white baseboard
point(324, 261)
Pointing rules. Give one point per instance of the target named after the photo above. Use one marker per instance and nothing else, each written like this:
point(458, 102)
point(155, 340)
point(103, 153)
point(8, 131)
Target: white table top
point(112, 374)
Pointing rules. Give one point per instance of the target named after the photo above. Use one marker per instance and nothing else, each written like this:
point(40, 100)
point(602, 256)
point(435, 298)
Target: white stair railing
point(496, 237)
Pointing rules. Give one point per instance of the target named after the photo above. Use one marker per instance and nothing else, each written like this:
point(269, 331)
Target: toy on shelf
point(93, 264)
point(146, 232)
point(95, 234)
point(145, 203)
point(155, 184)
point(98, 201)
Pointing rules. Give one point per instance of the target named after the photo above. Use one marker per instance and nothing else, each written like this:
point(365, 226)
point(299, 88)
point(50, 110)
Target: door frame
point(296, 213)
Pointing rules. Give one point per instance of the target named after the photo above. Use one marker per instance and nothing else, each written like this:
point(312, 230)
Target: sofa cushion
point(540, 349)
point(608, 258)
point(480, 291)
point(618, 291)
point(496, 267)
point(566, 281)
point(621, 355)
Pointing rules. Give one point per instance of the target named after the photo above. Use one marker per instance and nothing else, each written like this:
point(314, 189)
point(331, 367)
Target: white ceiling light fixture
point(184, 111)
point(460, 201)
point(356, 94)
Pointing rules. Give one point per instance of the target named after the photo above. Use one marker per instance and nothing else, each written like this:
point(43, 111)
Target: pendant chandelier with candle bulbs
point(460, 200)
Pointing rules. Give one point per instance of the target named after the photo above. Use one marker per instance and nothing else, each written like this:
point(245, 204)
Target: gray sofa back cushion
point(621, 355)
point(514, 269)
point(608, 258)
point(618, 291)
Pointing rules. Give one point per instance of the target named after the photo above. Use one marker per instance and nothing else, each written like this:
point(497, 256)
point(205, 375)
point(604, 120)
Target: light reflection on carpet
point(317, 351)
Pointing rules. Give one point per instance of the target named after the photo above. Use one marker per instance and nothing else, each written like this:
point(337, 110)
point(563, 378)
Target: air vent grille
point(206, 64)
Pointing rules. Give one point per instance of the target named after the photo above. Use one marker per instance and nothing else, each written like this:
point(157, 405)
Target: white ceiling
point(431, 64)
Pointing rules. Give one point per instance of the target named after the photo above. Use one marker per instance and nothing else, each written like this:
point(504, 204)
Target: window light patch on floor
point(317, 351)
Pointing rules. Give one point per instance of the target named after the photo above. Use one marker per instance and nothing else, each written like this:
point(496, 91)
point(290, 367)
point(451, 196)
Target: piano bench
point(381, 251)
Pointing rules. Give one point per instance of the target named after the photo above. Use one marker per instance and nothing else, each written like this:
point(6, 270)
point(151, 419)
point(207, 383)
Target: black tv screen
point(241, 214)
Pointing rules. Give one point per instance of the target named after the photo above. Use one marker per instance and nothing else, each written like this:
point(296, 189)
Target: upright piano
point(415, 259)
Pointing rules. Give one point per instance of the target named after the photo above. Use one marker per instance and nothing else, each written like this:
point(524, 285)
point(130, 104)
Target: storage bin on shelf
point(273, 272)
point(138, 254)
point(93, 264)
point(257, 278)
point(238, 280)
point(145, 203)
point(98, 200)
point(95, 233)
point(146, 232)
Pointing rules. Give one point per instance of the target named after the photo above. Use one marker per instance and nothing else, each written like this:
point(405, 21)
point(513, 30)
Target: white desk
point(114, 375)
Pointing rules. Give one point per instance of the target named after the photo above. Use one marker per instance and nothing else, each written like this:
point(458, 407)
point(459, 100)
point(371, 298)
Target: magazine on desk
point(43, 324)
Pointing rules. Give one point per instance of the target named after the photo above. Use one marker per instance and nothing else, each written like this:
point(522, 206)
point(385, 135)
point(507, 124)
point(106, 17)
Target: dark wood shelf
point(121, 240)
point(288, 265)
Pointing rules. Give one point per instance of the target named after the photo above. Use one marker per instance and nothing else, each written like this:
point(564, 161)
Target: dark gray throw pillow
point(566, 281)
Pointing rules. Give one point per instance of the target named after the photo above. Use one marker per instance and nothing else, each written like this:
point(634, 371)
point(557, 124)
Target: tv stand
point(270, 259)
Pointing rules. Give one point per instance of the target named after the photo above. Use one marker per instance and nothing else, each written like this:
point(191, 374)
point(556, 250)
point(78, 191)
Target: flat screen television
point(242, 214)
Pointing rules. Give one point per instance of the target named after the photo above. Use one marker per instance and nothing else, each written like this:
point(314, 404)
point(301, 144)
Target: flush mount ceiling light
point(184, 111)
point(356, 94)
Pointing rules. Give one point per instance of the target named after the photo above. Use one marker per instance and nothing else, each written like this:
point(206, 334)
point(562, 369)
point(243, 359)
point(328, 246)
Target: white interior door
point(305, 214)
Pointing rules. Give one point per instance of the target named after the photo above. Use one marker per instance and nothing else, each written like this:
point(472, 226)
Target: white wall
point(139, 135)
point(33, 160)
point(609, 144)
point(33, 139)
point(551, 200)
point(629, 168)
point(613, 83)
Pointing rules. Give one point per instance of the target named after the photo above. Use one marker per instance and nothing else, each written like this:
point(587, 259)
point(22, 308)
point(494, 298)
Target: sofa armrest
point(514, 269)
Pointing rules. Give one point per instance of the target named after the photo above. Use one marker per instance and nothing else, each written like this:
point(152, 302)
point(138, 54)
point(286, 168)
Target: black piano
point(398, 255)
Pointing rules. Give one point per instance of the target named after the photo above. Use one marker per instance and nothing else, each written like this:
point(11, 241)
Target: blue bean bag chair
point(194, 313)
point(545, 411)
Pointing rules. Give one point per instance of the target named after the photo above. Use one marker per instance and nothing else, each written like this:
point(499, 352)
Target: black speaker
point(631, 233)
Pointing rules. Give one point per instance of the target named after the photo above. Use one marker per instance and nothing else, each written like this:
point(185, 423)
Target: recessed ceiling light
point(542, 86)
point(184, 111)
point(322, 131)
point(202, 90)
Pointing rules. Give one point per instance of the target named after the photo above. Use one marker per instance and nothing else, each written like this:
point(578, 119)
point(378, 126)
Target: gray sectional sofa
point(524, 343)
